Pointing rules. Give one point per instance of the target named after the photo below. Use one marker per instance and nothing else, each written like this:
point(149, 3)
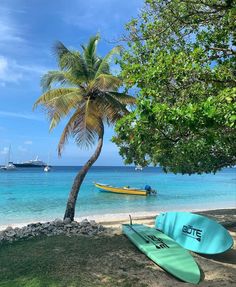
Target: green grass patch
point(62, 261)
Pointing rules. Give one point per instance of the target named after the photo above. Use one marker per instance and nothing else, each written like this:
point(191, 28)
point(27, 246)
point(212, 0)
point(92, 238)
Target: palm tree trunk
point(70, 207)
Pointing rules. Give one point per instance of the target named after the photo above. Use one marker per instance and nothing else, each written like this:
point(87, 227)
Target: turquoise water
point(33, 195)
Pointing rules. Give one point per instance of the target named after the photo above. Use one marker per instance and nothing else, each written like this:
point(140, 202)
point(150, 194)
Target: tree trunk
point(70, 207)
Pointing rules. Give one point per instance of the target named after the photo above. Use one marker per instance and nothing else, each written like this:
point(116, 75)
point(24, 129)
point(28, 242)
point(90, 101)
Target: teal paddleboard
point(195, 232)
point(164, 251)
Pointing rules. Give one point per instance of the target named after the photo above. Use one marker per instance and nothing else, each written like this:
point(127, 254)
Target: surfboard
point(164, 251)
point(195, 232)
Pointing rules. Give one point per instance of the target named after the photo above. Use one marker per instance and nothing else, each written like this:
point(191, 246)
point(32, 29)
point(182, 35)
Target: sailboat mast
point(9, 151)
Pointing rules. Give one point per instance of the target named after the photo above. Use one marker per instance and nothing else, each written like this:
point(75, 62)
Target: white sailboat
point(47, 168)
point(9, 165)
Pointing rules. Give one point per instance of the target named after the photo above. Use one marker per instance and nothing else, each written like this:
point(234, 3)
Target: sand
point(218, 270)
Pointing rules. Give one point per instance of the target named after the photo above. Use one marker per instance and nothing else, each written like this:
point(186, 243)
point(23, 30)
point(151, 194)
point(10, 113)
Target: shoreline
point(147, 217)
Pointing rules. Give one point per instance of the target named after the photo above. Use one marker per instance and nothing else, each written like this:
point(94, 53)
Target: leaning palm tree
point(85, 92)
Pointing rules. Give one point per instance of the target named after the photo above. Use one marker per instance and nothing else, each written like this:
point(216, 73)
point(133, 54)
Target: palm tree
point(85, 92)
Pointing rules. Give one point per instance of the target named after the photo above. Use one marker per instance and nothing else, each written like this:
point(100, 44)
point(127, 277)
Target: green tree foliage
point(83, 91)
point(182, 60)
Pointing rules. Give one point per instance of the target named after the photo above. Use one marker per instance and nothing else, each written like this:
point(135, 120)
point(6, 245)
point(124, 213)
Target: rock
point(67, 220)
point(84, 222)
point(54, 228)
point(93, 223)
point(10, 233)
point(9, 228)
point(57, 222)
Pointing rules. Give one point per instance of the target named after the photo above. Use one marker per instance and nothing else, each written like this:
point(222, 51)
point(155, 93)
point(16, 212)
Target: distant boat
point(138, 167)
point(31, 163)
point(9, 165)
point(47, 168)
point(125, 189)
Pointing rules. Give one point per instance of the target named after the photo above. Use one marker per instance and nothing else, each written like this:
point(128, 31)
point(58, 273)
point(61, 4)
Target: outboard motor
point(150, 190)
point(147, 187)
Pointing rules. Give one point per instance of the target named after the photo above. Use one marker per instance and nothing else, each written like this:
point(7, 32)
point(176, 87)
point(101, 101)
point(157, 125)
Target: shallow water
point(33, 195)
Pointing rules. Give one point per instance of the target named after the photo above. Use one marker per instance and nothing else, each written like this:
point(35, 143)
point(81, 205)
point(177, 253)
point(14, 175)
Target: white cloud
point(27, 116)
point(28, 142)
point(13, 41)
point(4, 150)
point(10, 31)
point(11, 71)
point(8, 72)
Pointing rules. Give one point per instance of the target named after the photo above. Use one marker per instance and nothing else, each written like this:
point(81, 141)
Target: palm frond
point(90, 50)
point(97, 64)
point(76, 64)
point(84, 125)
point(88, 127)
point(105, 82)
point(90, 55)
point(56, 77)
point(105, 63)
point(52, 95)
point(62, 107)
point(110, 108)
point(71, 60)
point(58, 104)
point(124, 98)
point(68, 130)
point(60, 50)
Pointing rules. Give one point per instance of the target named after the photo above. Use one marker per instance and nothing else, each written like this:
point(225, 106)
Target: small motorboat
point(47, 168)
point(125, 189)
point(138, 168)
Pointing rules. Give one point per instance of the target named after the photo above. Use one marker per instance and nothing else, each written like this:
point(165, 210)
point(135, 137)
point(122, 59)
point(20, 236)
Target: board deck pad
point(164, 251)
point(195, 232)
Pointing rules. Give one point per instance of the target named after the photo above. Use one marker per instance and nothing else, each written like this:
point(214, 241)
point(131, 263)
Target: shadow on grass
point(70, 262)
point(79, 261)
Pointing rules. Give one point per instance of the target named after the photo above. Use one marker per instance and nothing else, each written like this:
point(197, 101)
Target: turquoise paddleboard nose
point(164, 251)
point(195, 232)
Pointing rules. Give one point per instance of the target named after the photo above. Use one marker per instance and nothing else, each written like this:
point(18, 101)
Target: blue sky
point(28, 30)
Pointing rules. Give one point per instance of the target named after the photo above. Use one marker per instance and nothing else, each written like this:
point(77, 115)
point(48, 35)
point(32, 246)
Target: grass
point(70, 262)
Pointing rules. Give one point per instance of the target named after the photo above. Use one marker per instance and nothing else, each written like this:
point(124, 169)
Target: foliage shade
point(182, 60)
point(62, 261)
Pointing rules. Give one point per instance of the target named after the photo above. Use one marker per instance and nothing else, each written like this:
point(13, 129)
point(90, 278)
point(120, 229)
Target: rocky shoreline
point(53, 228)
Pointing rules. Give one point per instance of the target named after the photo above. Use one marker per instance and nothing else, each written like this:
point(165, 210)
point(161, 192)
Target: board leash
point(140, 235)
point(149, 240)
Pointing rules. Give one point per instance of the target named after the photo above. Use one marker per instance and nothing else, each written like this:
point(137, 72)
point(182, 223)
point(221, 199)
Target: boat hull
point(121, 190)
point(27, 165)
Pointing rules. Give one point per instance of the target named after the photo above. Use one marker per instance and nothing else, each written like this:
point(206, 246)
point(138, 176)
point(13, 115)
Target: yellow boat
point(123, 190)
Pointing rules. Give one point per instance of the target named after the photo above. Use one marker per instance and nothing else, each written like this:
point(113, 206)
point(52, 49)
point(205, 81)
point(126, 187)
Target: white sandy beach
point(116, 219)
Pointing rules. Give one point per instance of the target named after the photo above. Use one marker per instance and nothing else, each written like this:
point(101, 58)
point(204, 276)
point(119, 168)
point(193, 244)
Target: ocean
point(29, 195)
